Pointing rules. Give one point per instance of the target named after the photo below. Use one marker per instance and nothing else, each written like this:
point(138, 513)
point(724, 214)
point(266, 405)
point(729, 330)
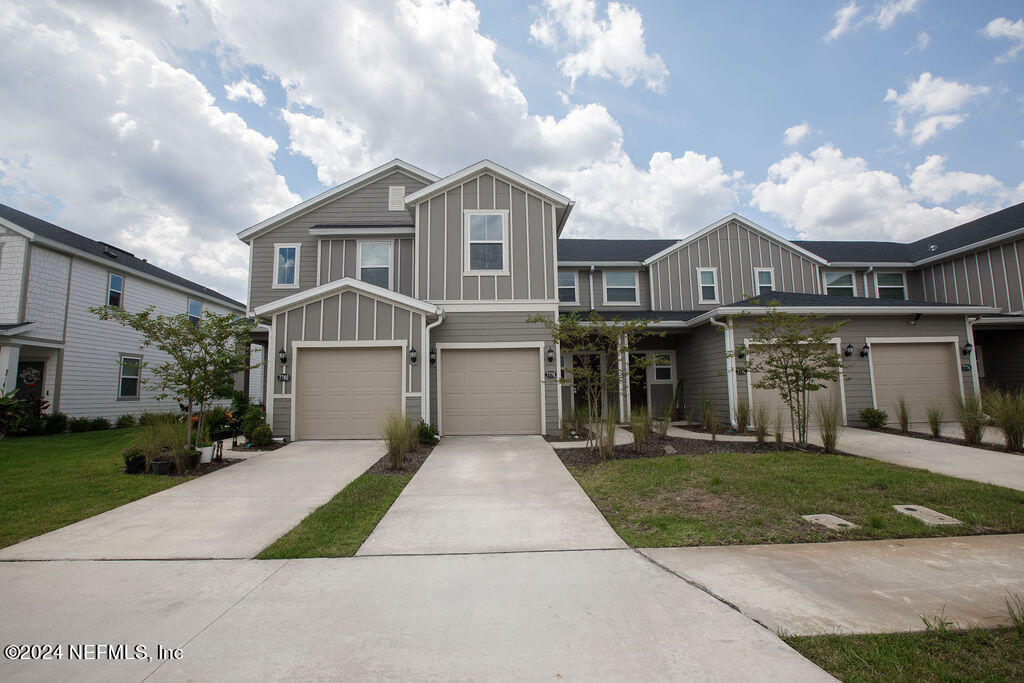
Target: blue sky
point(168, 126)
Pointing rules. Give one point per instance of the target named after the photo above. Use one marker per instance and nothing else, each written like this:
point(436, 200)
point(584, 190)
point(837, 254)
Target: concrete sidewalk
point(232, 513)
point(491, 494)
point(593, 615)
point(859, 586)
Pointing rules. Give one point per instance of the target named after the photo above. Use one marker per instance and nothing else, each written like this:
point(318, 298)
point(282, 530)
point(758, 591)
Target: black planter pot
point(160, 467)
point(134, 465)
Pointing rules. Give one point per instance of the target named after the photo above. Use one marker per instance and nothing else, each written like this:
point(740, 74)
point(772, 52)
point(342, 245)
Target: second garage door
point(343, 393)
point(490, 391)
point(922, 372)
point(776, 406)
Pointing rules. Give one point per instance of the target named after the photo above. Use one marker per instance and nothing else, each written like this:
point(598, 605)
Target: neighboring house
point(401, 291)
point(49, 278)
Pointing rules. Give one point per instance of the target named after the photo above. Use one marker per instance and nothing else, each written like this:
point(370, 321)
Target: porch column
point(9, 356)
point(623, 360)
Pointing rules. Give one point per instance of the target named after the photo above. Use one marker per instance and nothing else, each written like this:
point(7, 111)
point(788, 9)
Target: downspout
point(591, 287)
point(425, 380)
point(973, 357)
point(730, 366)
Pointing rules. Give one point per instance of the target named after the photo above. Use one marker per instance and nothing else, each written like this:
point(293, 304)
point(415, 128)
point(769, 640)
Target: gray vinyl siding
point(489, 328)
point(340, 257)
point(991, 276)
point(441, 250)
point(700, 359)
point(367, 205)
point(735, 251)
point(1001, 358)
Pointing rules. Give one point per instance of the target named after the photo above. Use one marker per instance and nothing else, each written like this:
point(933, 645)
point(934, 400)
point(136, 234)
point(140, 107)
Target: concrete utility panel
point(831, 522)
point(926, 515)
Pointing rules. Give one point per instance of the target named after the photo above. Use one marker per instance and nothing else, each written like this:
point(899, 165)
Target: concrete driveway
point(591, 615)
point(491, 494)
point(232, 513)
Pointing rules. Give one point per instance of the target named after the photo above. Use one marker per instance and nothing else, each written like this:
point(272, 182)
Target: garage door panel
point(776, 406)
point(922, 372)
point(490, 391)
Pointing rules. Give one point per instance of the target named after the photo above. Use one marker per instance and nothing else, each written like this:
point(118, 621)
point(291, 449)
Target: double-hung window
point(764, 280)
point(286, 265)
point(375, 263)
point(115, 290)
point(486, 243)
point(128, 380)
point(891, 285)
point(662, 367)
point(839, 284)
point(567, 287)
point(707, 285)
point(620, 287)
point(195, 311)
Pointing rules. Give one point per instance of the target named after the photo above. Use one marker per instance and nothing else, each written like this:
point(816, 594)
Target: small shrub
point(55, 423)
point(828, 414)
point(640, 424)
point(1006, 408)
point(134, 460)
point(581, 420)
point(874, 418)
point(251, 419)
point(935, 412)
point(262, 436)
point(760, 418)
point(713, 423)
point(397, 433)
point(98, 424)
point(968, 412)
point(125, 421)
point(903, 414)
point(708, 407)
point(663, 421)
point(27, 425)
point(218, 423)
point(79, 424)
point(427, 434)
point(742, 416)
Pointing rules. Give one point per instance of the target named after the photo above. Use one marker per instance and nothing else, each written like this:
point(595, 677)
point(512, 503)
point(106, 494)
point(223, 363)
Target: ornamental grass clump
point(1006, 408)
point(828, 415)
point(903, 414)
point(640, 424)
point(968, 412)
point(742, 416)
point(399, 435)
point(761, 420)
point(935, 413)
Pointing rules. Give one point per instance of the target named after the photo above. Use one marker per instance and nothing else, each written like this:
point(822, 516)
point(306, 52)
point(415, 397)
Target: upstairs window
point(891, 285)
point(486, 243)
point(195, 311)
point(115, 290)
point(620, 287)
point(567, 286)
point(375, 263)
point(839, 284)
point(396, 197)
point(286, 265)
point(764, 279)
point(128, 382)
point(707, 281)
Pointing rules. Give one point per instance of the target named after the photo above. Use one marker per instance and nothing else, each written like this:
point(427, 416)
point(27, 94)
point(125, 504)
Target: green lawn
point(47, 482)
point(338, 527)
point(971, 655)
point(731, 498)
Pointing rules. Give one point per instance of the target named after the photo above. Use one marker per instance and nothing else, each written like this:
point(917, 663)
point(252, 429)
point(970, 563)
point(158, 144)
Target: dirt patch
point(656, 448)
point(413, 461)
point(944, 439)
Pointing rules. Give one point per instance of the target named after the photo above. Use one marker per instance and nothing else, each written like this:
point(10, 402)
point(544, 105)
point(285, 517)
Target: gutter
point(425, 379)
point(592, 288)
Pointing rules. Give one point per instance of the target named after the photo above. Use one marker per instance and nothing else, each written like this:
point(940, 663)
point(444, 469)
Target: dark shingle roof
point(869, 252)
point(818, 300)
point(667, 316)
point(124, 259)
point(10, 326)
point(609, 250)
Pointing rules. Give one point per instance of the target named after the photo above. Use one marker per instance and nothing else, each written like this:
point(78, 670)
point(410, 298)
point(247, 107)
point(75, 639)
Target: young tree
point(794, 357)
point(203, 356)
point(609, 341)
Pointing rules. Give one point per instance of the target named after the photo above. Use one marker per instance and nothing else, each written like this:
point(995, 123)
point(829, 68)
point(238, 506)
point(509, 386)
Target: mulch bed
point(655, 448)
point(944, 439)
point(413, 461)
point(556, 438)
point(207, 467)
point(254, 449)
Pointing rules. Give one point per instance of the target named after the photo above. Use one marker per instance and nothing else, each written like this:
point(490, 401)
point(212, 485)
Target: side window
point(891, 286)
point(486, 243)
point(195, 311)
point(662, 365)
point(620, 287)
point(115, 289)
point(128, 380)
point(567, 286)
point(765, 280)
point(375, 263)
point(839, 284)
point(286, 265)
point(707, 282)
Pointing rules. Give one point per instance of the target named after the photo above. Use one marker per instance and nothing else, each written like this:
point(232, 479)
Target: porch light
point(551, 355)
point(433, 356)
point(864, 351)
point(412, 355)
point(282, 355)
point(848, 351)
point(741, 352)
point(967, 349)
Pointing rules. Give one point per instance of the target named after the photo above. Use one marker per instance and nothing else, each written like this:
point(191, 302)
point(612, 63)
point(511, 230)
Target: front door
point(30, 380)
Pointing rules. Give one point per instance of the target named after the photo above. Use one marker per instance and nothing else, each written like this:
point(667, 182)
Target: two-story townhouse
point(49, 278)
point(401, 291)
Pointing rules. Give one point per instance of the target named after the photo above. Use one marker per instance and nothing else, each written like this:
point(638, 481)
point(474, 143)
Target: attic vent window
point(932, 247)
point(107, 251)
point(396, 197)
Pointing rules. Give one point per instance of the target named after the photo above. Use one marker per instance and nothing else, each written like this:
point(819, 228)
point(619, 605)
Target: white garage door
point(490, 391)
point(342, 393)
point(922, 372)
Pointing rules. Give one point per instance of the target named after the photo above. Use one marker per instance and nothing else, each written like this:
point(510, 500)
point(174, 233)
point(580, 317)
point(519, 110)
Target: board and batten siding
point(991, 276)
point(367, 205)
point(440, 234)
point(701, 367)
point(346, 316)
point(13, 263)
point(735, 251)
point(339, 257)
point(489, 328)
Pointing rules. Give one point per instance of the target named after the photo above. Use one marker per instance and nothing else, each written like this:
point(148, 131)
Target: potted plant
point(134, 460)
point(205, 446)
point(160, 465)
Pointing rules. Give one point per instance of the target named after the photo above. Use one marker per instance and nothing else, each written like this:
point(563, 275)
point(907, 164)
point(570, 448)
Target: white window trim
point(700, 287)
point(121, 378)
point(575, 287)
point(505, 229)
point(188, 307)
point(891, 272)
point(278, 246)
point(757, 280)
point(124, 280)
point(651, 367)
point(636, 288)
point(391, 260)
point(826, 273)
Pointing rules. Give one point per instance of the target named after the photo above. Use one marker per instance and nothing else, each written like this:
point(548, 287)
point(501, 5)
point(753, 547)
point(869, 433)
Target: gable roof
point(334, 193)
point(37, 229)
point(831, 301)
point(498, 170)
point(343, 285)
point(852, 251)
point(598, 250)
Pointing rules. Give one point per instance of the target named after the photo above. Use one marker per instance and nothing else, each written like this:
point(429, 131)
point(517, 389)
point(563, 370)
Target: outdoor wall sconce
point(412, 355)
point(433, 356)
point(864, 351)
point(282, 355)
point(848, 351)
point(551, 355)
point(741, 352)
point(967, 349)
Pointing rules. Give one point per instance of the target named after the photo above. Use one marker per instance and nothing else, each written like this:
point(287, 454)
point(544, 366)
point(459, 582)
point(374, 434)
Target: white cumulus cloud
point(245, 91)
point(886, 13)
point(882, 17)
point(1002, 28)
point(795, 134)
point(934, 102)
point(843, 20)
